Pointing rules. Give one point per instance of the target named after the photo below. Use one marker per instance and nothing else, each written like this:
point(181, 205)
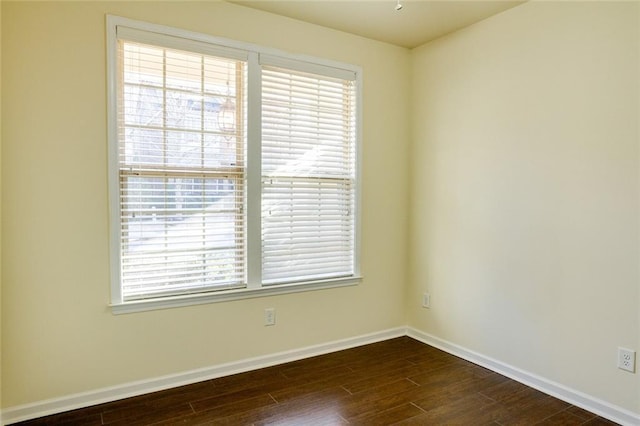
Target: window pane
point(143, 64)
point(142, 146)
point(180, 233)
point(308, 129)
point(308, 229)
point(183, 70)
point(184, 149)
point(222, 151)
point(308, 183)
point(184, 110)
point(220, 76)
point(143, 106)
point(181, 177)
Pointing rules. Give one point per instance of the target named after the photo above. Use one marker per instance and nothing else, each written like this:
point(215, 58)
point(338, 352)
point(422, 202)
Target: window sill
point(227, 295)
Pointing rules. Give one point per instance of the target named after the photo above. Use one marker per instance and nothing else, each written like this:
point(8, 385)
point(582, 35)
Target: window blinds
point(308, 176)
point(181, 171)
point(232, 167)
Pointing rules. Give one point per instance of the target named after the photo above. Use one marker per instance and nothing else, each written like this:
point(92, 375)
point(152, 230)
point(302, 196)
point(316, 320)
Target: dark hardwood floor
point(399, 381)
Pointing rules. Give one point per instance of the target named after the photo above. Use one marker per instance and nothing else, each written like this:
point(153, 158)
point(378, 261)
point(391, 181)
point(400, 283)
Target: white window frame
point(255, 55)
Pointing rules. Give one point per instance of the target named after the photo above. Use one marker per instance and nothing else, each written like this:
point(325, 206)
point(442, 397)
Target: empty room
point(320, 212)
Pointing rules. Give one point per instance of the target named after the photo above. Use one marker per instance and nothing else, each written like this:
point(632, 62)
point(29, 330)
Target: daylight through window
point(232, 171)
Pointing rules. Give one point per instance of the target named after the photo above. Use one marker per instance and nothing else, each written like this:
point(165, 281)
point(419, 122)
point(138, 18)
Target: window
point(233, 169)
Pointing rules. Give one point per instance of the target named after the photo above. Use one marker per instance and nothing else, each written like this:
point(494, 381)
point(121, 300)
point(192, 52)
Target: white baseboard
point(574, 397)
point(99, 396)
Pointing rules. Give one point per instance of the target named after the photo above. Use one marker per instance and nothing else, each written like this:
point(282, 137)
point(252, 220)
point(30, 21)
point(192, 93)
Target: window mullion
point(254, 173)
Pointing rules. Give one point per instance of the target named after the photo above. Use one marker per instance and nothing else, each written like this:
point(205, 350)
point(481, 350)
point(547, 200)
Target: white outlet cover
point(627, 359)
point(426, 300)
point(270, 316)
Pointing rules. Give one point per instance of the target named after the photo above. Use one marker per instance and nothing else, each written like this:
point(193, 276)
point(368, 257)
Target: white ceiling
point(418, 22)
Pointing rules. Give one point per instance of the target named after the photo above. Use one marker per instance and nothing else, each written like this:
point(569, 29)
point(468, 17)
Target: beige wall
point(0, 205)
point(58, 336)
point(525, 192)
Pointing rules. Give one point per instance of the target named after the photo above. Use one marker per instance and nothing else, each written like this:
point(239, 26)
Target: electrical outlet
point(270, 316)
point(627, 359)
point(426, 300)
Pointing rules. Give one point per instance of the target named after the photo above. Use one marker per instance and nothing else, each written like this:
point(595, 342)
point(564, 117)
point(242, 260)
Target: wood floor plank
point(151, 416)
point(313, 374)
point(374, 377)
point(298, 390)
point(530, 406)
point(503, 390)
point(446, 375)
point(134, 407)
point(65, 420)
point(599, 421)
point(583, 414)
point(316, 407)
point(380, 398)
point(313, 408)
point(387, 417)
point(563, 418)
point(472, 409)
point(218, 401)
